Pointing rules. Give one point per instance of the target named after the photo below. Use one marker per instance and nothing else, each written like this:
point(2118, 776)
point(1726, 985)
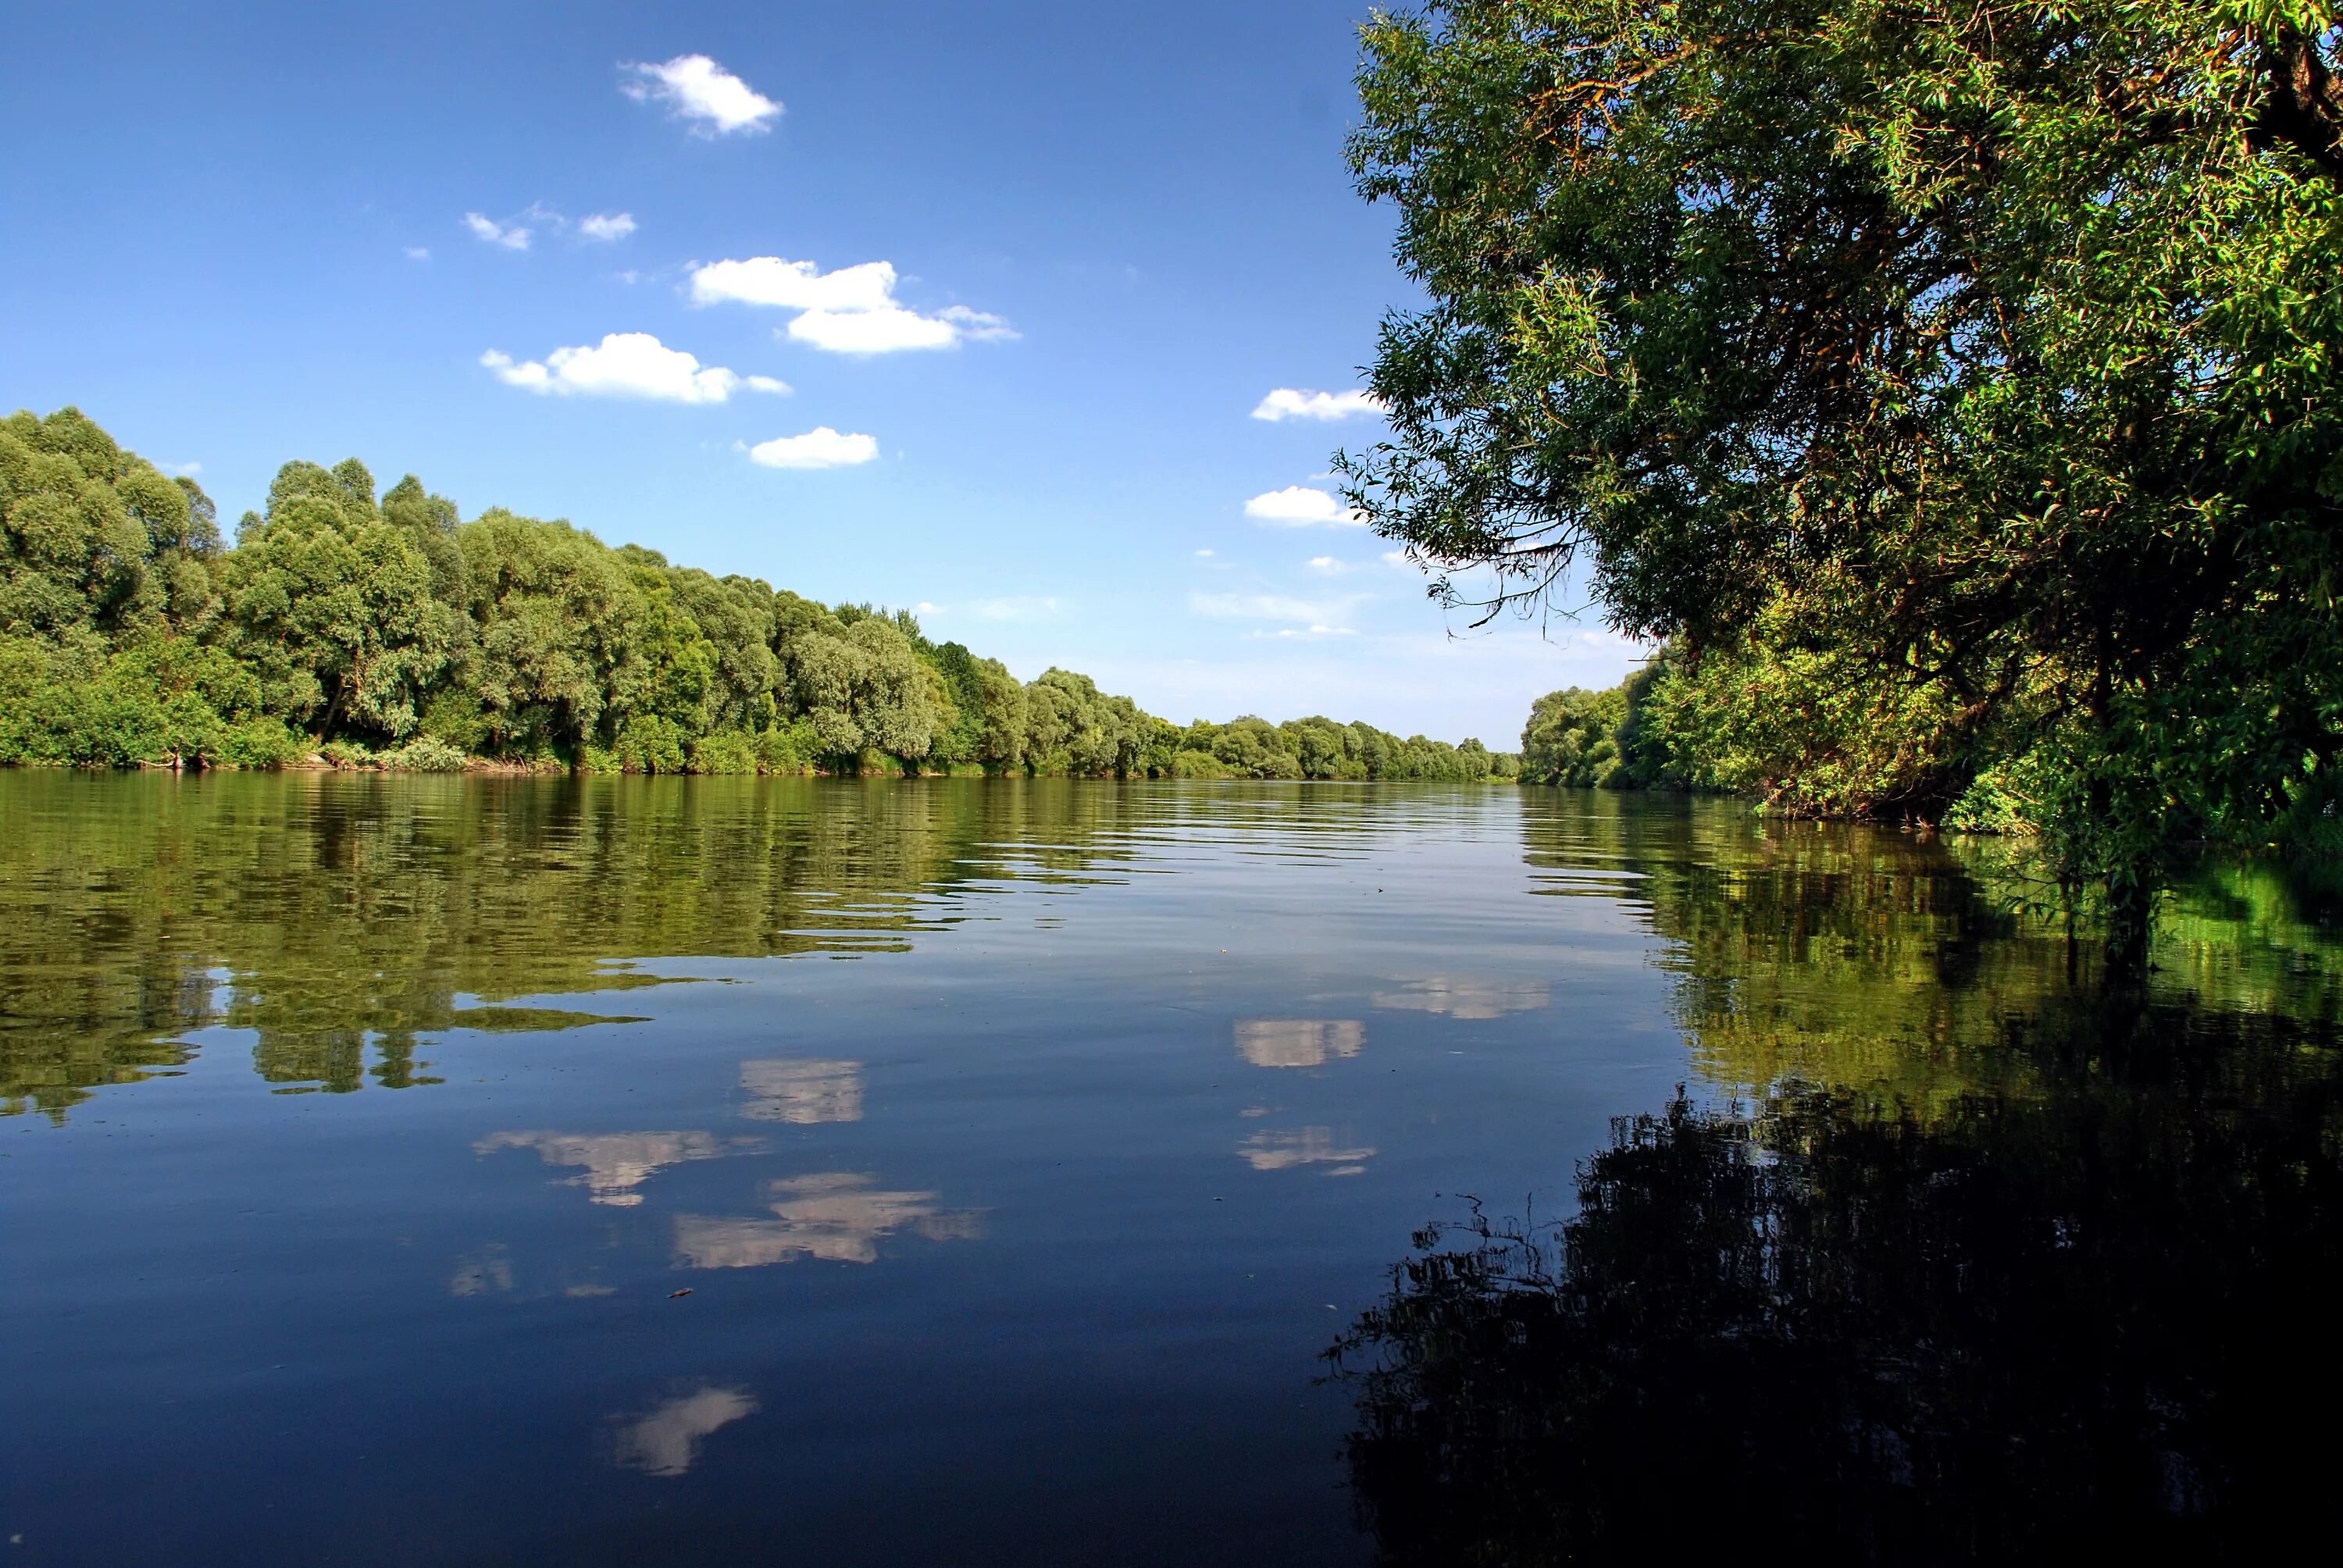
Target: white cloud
point(924, 607)
point(697, 89)
point(1316, 614)
point(1027, 607)
point(1297, 507)
point(189, 469)
point(1204, 555)
point(418, 253)
point(794, 284)
point(607, 226)
point(820, 448)
point(1295, 403)
point(626, 364)
point(977, 325)
point(852, 310)
point(872, 331)
point(490, 231)
point(1397, 558)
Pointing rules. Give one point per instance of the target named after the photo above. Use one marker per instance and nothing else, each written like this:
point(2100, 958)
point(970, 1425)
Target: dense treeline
point(384, 630)
point(1953, 387)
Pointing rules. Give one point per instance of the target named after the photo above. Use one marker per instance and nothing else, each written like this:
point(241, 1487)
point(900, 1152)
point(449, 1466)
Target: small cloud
point(1204, 555)
point(697, 90)
point(188, 469)
point(794, 284)
point(1017, 607)
point(1396, 558)
point(872, 331)
point(607, 226)
point(1295, 403)
point(821, 447)
point(977, 325)
point(626, 364)
point(924, 607)
point(418, 253)
point(1298, 506)
point(1316, 614)
point(850, 310)
point(489, 232)
point(1331, 566)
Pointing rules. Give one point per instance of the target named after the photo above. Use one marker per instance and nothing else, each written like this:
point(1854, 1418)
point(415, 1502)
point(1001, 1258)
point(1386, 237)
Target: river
point(403, 1170)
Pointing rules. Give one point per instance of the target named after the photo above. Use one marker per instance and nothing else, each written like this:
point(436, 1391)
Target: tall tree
point(1970, 369)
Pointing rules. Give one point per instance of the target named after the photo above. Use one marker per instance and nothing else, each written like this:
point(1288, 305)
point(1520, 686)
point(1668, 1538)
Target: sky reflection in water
point(412, 1169)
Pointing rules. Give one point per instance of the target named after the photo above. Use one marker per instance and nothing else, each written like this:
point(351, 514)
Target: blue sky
point(1086, 243)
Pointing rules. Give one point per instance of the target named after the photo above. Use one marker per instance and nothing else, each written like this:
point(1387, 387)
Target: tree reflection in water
point(2089, 1318)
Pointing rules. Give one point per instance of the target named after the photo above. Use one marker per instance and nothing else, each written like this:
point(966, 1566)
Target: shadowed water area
point(455, 1169)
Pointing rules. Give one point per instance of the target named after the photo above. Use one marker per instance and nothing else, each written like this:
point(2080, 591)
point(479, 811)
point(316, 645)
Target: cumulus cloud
point(626, 364)
point(820, 448)
point(1298, 506)
point(1297, 403)
point(607, 226)
point(701, 93)
point(850, 310)
point(489, 232)
point(871, 331)
point(794, 284)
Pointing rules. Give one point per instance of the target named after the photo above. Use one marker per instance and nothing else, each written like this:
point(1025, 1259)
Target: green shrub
point(650, 744)
point(725, 751)
point(427, 754)
point(788, 749)
point(262, 743)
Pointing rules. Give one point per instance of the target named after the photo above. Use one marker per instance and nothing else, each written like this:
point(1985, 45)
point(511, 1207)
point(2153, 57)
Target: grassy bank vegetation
point(353, 629)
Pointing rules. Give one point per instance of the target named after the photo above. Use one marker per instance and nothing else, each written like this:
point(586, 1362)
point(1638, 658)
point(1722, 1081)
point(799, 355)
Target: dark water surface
point(415, 1170)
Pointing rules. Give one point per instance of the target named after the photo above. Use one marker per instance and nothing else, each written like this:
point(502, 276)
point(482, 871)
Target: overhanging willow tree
point(1959, 381)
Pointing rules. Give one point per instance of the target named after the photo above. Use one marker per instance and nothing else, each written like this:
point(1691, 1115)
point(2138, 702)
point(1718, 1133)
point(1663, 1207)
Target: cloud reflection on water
point(835, 1215)
point(1468, 996)
point(1299, 1042)
point(615, 1164)
point(1307, 1146)
point(802, 1092)
point(666, 1441)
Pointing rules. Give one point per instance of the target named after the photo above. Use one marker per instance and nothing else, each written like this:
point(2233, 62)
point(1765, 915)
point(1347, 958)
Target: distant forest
point(364, 630)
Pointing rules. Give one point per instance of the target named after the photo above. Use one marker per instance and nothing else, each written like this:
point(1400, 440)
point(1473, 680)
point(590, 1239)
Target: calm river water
point(423, 1169)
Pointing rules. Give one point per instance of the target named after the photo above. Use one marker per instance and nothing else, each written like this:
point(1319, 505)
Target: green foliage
point(425, 754)
point(400, 636)
point(1954, 385)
